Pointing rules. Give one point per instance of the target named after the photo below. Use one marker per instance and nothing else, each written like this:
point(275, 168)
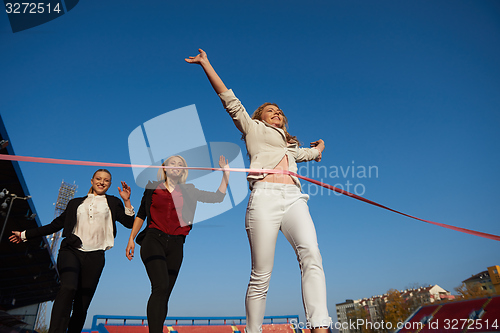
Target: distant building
point(375, 306)
point(488, 280)
point(428, 294)
point(494, 272)
point(344, 310)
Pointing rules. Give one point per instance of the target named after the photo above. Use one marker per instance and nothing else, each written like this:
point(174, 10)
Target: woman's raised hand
point(198, 59)
point(125, 193)
point(225, 175)
point(202, 60)
point(223, 162)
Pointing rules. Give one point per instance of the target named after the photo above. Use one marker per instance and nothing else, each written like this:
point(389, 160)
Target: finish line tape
point(330, 187)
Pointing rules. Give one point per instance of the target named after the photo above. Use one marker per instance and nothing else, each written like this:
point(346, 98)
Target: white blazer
point(265, 143)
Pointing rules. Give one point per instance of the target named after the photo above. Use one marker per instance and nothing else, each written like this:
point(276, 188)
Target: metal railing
point(99, 321)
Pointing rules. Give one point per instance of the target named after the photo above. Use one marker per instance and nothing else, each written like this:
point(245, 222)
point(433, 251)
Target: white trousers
point(273, 207)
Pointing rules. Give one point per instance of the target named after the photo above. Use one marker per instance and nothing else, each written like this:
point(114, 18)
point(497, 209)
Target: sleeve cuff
point(227, 97)
point(226, 94)
point(129, 211)
point(23, 236)
point(318, 154)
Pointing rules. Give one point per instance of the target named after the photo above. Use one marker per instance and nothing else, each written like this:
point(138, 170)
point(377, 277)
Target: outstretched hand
point(320, 146)
point(202, 60)
point(198, 59)
point(16, 237)
point(125, 193)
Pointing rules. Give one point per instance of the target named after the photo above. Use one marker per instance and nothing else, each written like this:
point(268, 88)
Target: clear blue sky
point(410, 87)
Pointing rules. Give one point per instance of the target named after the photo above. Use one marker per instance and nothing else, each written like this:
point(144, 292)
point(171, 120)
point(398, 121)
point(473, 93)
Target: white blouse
point(94, 224)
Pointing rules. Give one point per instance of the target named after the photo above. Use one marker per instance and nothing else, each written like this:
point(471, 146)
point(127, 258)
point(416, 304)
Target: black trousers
point(162, 255)
point(79, 272)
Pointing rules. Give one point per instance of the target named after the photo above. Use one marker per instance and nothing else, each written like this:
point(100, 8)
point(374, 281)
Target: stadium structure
point(465, 316)
point(28, 272)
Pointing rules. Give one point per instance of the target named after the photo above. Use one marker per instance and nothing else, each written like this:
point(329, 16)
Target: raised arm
point(202, 60)
point(225, 175)
point(125, 214)
point(125, 194)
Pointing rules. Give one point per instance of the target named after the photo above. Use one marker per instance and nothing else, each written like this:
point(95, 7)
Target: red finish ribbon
point(330, 187)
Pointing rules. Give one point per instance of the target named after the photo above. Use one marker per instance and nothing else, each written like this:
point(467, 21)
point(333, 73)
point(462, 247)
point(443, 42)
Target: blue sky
point(408, 87)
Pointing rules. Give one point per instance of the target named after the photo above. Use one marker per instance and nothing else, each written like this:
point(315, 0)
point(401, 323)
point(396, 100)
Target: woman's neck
point(170, 184)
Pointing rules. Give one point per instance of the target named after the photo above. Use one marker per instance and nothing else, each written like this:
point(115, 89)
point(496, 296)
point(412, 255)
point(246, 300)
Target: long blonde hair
point(162, 171)
point(258, 115)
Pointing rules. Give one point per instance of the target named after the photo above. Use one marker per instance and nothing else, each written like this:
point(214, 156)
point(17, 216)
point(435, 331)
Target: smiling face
point(272, 115)
point(174, 162)
point(179, 175)
point(100, 182)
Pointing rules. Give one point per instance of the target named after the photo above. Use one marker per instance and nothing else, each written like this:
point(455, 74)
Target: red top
point(166, 211)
